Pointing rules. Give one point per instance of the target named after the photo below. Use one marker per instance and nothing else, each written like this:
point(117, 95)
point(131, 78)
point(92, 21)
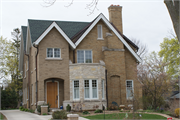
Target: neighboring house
point(84, 64)
point(173, 99)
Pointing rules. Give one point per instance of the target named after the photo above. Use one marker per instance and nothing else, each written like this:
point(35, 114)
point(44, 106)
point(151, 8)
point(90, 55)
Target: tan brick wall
point(53, 68)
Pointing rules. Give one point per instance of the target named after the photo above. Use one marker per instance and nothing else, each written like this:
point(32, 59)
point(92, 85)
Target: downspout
point(36, 75)
point(28, 81)
point(106, 87)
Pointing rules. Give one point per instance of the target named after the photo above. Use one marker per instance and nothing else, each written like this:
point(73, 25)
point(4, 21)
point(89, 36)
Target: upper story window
point(53, 53)
point(84, 56)
point(129, 89)
point(100, 34)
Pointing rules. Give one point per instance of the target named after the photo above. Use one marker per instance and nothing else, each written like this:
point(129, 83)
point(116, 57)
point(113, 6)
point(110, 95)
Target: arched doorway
point(54, 92)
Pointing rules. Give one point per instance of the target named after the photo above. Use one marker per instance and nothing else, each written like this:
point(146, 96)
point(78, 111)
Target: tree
point(156, 81)
point(170, 52)
point(92, 6)
point(173, 8)
point(5, 44)
point(142, 51)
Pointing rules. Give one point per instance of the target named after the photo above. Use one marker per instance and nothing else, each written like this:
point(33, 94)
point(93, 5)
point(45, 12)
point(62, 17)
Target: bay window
point(84, 56)
point(76, 89)
point(90, 89)
point(102, 89)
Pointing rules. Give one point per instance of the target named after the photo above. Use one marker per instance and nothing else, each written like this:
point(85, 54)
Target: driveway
point(19, 115)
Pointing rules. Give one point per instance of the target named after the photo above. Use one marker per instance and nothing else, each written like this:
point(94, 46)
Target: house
point(84, 64)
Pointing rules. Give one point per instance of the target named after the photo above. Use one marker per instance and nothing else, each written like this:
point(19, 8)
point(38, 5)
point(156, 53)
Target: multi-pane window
point(32, 90)
point(99, 29)
point(102, 88)
point(129, 89)
point(76, 89)
point(91, 89)
point(86, 88)
point(53, 52)
point(94, 88)
point(84, 56)
point(25, 70)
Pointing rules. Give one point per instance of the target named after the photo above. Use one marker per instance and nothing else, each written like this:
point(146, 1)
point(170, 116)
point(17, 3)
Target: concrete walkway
point(20, 115)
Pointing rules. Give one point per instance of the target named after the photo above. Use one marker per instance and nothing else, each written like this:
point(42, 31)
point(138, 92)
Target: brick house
point(84, 64)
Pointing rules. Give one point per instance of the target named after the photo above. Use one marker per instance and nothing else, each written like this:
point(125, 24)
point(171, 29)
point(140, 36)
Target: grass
point(122, 116)
point(2, 117)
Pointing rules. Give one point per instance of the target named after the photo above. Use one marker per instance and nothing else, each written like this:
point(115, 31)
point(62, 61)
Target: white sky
point(145, 20)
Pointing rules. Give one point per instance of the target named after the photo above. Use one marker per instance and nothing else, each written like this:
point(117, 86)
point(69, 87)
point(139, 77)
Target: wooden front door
point(52, 94)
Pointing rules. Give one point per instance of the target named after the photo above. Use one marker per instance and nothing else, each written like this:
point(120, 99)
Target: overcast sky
point(145, 20)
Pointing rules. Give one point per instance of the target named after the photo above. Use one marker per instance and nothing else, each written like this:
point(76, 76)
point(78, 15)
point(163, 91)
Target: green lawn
point(122, 115)
point(1, 116)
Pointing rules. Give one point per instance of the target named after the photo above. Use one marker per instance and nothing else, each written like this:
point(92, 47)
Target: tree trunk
point(173, 8)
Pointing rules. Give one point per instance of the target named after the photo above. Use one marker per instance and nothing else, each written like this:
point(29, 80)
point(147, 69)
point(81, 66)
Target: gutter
point(36, 74)
point(28, 81)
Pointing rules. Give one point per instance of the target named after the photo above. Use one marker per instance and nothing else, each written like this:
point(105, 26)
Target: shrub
point(98, 111)
point(44, 114)
point(59, 114)
point(26, 110)
point(85, 112)
point(177, 112)
point(39, 108)
point(68, 108)
point(32, 111)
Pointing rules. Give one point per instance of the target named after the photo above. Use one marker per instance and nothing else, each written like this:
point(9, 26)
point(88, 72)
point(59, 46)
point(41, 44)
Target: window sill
point(100, 38)
point(53, 59)
point(91, 100)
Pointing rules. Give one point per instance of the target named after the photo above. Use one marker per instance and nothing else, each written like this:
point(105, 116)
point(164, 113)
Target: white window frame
point(129, 98)
point(32, 87)
point(53, 53)
point(90, 89)
point(85, 55)
point(101, 33)
point(25, 70)
point(102, 88)
point(73, 91)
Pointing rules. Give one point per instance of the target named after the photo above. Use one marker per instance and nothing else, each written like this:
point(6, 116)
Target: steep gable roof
point(37, 27)
point(102, 17)
point(24, 34)
point(74, 32)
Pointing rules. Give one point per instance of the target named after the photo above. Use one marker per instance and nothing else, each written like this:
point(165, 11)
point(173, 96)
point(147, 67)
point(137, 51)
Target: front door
point(52, 94)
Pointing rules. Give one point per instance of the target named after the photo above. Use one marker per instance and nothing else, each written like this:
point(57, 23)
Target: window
point(129, 89)
point(76, 89)
point(91, 89)
point(25, 70)
point(84, 56)
point(53, 53)
point(32, 93)
point(99, 29)
point(102, 89)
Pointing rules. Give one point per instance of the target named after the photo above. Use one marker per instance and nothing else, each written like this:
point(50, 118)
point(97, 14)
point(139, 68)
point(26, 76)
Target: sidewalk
point(20, 115)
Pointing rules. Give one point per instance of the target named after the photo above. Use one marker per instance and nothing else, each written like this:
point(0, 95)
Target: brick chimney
point(115, 16)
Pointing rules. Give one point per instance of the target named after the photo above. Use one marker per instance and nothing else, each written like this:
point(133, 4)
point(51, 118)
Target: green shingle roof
point(24, 32)
point(37, 27)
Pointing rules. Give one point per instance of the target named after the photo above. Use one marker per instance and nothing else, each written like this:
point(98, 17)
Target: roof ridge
point(58, 21)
